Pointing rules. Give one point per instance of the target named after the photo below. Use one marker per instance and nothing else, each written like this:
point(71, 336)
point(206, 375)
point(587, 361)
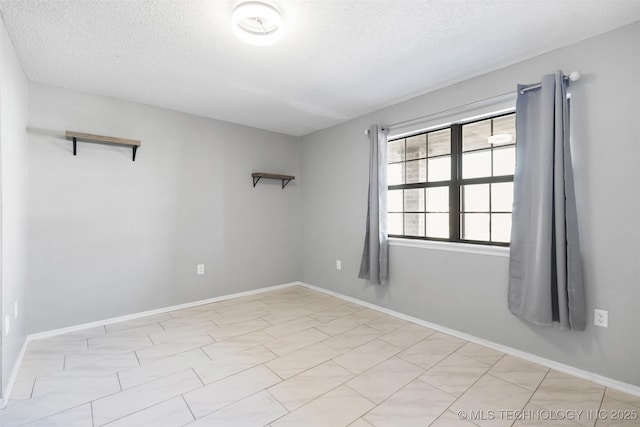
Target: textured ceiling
point(339, 58)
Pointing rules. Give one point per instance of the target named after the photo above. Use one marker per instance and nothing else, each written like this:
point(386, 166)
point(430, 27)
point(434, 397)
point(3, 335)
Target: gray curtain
point(374, 265)
point(545, 271)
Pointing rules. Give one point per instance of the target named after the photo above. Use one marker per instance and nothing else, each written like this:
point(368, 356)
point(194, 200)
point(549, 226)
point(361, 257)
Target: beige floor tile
point(219, 394)
point(171, 413)
point(153, 353)
point(69, 382)
point(337, 408)
point(383, 380)
point(186, 323)
point(22, 390)
point(162, 367)
point(277, 317)
point(623, 397)
point(294, 342)
point(305, 387)
point(360, 422)
point(194, 311)
point(341, 324)
point(334, 313)
point(55, 345)
point(132, 400)
point(367, 355)
point(431, 350)
point(294, 363)
point(120, 343)
point(79, 416)
point(291, 327)
point(369, 314)
point(450, 419)
point(135, 323)
point(91, 357)
point(616, 413)
point(200, 327)
point(224, 365)
point(235, 329)
point(139, 331)
point(26, 411)
point(563, 392)
point(110, 364)
point(480, 352)
point(35, 367)
point(352, 338)
point(235, 344)
point(407, 335)
point(417, 404)
point(254, 411)
point(535, 416)
point(386, 323)
point(455, 374)
point(518, 371)
point(490, 395)
point(324, 343)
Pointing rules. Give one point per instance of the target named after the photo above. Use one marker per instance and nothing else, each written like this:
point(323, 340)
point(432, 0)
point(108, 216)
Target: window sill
point(500, 251)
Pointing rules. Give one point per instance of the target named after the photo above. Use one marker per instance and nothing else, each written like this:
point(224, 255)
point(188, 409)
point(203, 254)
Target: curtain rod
point(573, 76)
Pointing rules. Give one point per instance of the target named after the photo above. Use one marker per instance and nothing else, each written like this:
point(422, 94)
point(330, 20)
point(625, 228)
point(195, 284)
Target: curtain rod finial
point(574, 76)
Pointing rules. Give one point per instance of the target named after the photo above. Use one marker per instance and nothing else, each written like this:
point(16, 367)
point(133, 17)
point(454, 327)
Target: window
point(455, 183)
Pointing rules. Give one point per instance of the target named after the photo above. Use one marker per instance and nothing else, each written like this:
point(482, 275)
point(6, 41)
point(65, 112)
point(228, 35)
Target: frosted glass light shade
point(257, 23)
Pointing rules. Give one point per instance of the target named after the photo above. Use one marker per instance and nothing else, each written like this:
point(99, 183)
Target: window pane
point(416, 171)
point(439, 142)
point(500, 228)
point(395, 174)
point(438, 199)
point(440, 169)
point(417, 147)
point(438, 225)
point(476, 164)
point(395, 151)
point(394, 223)
point(475, 198)
point(414, 225)
point(414, 200)
point(475, 136)
point(394, 201)
point(475, 226)
point(502, 197)
point(505, 125)
point(504, 160)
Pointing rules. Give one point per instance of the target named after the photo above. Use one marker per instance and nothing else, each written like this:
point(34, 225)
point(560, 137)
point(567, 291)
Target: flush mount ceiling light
point(257, 23)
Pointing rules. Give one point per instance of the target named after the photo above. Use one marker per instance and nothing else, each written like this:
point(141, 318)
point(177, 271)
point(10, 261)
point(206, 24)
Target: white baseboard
point(580, 373)
point(4, 400)
point(60, 331)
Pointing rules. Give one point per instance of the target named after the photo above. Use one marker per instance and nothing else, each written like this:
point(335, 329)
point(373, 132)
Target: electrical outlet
point(15, 309)
point(200, 269)
point(601, 318)
point(6, 325)
point(338, 264)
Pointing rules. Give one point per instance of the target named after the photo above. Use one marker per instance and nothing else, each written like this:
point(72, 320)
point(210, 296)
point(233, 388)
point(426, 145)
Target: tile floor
point(293, 357)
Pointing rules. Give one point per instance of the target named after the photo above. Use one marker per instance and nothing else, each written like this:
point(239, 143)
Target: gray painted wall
point(13, 188)
point(466, 291)
point(110, 237)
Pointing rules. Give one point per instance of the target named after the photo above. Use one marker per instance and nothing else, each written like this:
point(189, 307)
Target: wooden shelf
point(284, 178)
point(100, 139)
